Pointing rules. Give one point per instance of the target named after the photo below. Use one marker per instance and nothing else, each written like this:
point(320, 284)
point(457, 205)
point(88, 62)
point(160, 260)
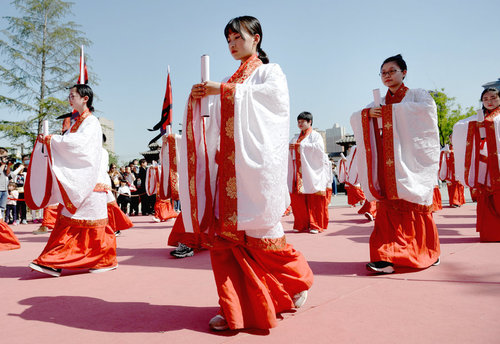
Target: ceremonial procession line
point(154, 298)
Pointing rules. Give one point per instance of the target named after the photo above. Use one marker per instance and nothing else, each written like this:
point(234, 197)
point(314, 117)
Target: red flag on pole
point(166, 112)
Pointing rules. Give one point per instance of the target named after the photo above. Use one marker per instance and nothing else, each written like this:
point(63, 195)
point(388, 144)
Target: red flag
point(84, 77)
point(166, 112)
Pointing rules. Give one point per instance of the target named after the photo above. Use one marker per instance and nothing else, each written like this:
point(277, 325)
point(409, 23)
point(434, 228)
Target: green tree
point(41, 54)
point(448, 114)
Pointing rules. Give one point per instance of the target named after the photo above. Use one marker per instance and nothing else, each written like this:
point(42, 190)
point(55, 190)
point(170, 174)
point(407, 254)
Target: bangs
point(234, 26)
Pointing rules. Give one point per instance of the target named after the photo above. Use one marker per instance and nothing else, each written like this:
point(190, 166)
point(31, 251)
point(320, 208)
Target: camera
point(6, 159)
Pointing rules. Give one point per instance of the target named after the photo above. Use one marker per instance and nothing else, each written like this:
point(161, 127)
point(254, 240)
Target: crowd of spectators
point(12, 177)
point(128, 183)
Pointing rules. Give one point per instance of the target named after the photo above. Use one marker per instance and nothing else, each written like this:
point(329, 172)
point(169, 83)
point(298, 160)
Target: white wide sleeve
point(76, 160)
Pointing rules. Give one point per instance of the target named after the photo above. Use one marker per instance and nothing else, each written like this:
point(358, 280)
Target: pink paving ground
point(153, 298)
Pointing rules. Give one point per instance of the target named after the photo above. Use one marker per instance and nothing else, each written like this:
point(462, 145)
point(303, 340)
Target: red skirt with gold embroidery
point(488, 216)
point(405, 234)
point(369, 207)
point(354, 195)
point(456, 193)
point(79, 244)
point(310, 211)
point(8, 240)
point(255, 284)
point(437, 204)
point(179, 235)
point(50, 214)
point(117, 219)
point(164, 210)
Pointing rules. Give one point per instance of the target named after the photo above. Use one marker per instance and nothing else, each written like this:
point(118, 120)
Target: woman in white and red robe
point(308, 178)
point(348, 174)
point(477, 162)
point(399, 145)
point(354, 192)
point(233, 186)
point(447, 173)
point(163, 207)
point(76, 179)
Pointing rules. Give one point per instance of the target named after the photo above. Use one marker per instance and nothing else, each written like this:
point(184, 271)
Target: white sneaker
point(295, 230)
point(155, 219)
point(45, 269)
point(300, 298)
point(369, 216)
point(313, 231)
point(96, 271)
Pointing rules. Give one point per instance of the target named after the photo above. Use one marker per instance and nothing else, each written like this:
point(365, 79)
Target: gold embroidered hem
point(68, 221)
point(101, 187)
point(402, 205)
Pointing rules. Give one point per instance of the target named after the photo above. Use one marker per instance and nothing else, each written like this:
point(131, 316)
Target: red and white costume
point(164, 209)
point(69, 170)
point(401, 159)
point(447, 173)
point(477, 165)
point(308, 177)
point(233, 193)
point(348, 174)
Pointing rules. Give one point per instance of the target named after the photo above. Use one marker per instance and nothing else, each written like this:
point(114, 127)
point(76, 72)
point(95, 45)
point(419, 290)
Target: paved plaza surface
point(154, 298)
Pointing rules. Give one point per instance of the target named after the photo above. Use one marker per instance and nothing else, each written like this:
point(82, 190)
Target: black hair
point(489, 89)
point(252, 26)
point(85, 90)
point(305, 116)
point(399, 61)
point(103, 138)
point(142, 161)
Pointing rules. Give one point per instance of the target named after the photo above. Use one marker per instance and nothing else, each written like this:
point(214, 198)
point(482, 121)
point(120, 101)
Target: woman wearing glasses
point(398, 141)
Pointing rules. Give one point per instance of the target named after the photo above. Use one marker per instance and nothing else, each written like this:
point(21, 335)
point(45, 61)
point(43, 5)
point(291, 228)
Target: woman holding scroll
point(398, 142)
point(476, 141)
point(233, 186)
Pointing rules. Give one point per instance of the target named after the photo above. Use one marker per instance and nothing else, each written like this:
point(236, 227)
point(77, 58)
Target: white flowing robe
point(165, 162)
point(460, 141)
point(313, 164)
point(416, 148)
point(261, 125)
point(352, 176)
point(77, 166)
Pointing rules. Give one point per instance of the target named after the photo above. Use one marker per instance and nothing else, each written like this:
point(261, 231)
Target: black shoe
point(182, 251)
point(118, 233)
point(45, 269)
point(380, 267)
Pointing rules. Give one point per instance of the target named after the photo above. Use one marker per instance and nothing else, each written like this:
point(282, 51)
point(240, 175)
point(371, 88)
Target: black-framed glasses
point(389, 73)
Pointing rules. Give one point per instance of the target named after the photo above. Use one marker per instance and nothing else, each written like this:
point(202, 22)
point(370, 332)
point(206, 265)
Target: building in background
point(333, 135)
point(495, 84)
point(108, 129)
